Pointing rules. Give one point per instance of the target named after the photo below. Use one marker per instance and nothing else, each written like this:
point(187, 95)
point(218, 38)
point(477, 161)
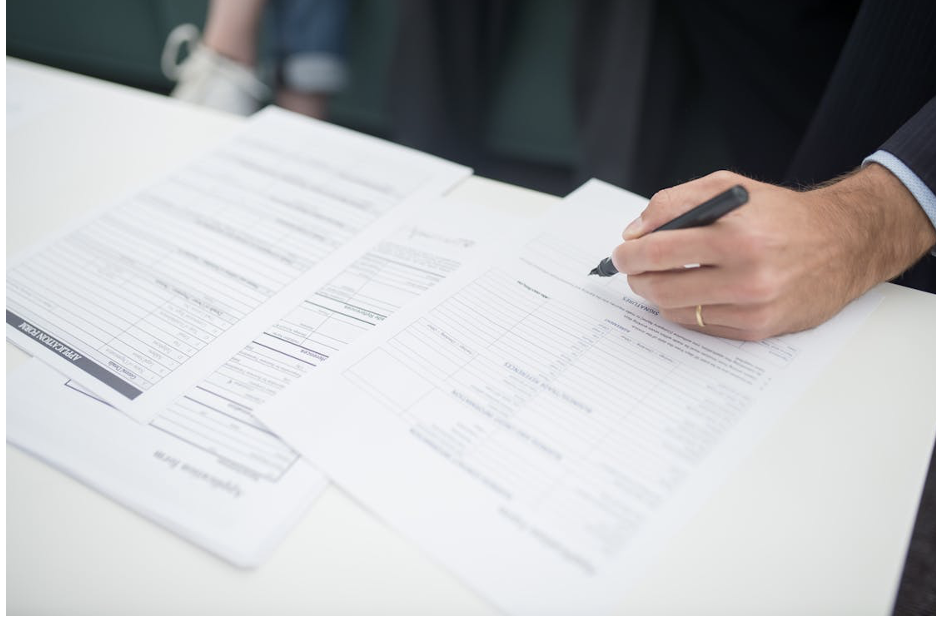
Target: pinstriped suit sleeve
point(915, 144)
point(910, 154)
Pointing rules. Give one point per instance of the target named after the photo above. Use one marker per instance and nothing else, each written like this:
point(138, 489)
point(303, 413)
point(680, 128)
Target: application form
point(541, 432)
point(211, 492)
point(141, 300)
point(205, 467)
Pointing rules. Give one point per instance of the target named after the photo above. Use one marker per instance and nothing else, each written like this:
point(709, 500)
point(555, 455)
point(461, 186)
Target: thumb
point(668, 204)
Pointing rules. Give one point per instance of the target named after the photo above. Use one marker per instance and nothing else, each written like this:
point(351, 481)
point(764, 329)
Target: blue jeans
point(309, 42)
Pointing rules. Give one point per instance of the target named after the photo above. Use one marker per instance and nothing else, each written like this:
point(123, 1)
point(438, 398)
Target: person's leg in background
point(232, 29)
point(310, 44)
point(221, 70)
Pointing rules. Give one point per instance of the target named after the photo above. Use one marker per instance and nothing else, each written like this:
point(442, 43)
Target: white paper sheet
point(236, 512)
point(142, 300)
point(540, 432)
point(205, 467)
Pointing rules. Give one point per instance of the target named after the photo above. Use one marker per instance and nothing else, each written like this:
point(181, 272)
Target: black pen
point(705, 213)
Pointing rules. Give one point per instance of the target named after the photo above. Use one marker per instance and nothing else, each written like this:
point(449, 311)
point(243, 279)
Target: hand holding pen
point(706, 213)
point(789, 260)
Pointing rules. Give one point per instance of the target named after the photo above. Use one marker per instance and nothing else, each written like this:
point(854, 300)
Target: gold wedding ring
point(698, 316)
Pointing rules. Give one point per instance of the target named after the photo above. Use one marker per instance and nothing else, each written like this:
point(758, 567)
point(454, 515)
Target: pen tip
point(594, 271)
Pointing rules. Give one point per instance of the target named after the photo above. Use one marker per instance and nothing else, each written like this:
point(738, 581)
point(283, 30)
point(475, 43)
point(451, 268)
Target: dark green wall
point(122, 40)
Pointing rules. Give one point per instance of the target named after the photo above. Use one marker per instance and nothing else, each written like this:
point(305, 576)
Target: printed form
point(205, 468)
point(141, 300)
point(540, 432)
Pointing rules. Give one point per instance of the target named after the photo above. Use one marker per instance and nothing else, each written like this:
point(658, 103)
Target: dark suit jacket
point(800, 91)
point(787, 91)
point(803, 90)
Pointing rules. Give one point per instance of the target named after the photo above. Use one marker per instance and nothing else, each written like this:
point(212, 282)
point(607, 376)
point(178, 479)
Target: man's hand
point(783, 262)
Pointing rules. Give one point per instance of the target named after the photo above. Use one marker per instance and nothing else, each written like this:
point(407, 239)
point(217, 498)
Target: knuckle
point(751, 335)
point(654, 252)
point(723, 176)
point(663, 297)
point(659, 198)
point(759, 334)
point(670, 314)
point(751, 245)
point(759, 319)
point(650, 288)
point(665, 204)
point(662, 292)
point(636, 284)
point(759, 287)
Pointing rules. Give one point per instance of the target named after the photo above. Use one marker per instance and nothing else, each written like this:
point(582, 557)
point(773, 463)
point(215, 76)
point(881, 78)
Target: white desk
point(816, 521)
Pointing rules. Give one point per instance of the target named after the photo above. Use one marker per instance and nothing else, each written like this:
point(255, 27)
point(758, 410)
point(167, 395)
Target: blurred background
point(528, 133)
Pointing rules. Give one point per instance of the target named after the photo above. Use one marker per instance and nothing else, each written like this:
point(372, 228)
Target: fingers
point(747, 322)
point(688, 288)
point(729, 332)
point(670, 203)
point(727, 309)
point(712, 285)
point(745, 275)
point(673, 249)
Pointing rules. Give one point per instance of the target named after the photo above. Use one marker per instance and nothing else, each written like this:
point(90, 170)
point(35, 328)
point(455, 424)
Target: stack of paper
point(538, 432)
point(542, 432)
point(147, 291)
point(140, 300)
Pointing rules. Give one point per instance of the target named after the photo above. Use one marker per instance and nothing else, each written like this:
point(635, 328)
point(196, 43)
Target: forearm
point(882, 221)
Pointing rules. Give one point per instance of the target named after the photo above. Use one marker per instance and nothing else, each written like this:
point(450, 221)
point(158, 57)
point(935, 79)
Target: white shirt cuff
point(917, 188)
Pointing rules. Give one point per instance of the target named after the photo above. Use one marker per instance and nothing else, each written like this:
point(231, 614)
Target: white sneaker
point(207, 78)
